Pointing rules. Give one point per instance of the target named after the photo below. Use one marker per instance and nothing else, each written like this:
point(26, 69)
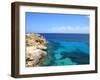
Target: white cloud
point(69, 29)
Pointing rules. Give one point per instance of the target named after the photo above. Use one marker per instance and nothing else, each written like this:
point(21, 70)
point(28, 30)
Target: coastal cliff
point(36, 46)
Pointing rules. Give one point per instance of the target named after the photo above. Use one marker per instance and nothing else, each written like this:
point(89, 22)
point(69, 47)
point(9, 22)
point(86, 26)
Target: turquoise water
point(62, 52)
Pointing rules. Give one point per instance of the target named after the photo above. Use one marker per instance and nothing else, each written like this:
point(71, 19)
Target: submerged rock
point(66, 61)
point(36, 47)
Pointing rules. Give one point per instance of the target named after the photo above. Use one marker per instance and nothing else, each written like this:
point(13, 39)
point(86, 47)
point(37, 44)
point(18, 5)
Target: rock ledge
point(36, 46)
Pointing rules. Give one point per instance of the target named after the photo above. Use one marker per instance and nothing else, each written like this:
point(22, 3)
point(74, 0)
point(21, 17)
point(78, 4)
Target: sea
point(66, 49)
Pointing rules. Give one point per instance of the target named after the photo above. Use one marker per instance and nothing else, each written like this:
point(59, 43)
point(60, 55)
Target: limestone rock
point(36, 47)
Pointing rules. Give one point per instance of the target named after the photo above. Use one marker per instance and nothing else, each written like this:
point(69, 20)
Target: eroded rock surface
point(36, 46)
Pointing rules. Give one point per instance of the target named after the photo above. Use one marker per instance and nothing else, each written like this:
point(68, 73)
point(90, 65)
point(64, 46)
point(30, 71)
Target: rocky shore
point(36, 46)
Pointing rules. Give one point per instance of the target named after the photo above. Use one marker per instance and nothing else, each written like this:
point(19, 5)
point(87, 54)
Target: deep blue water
point(66, 49)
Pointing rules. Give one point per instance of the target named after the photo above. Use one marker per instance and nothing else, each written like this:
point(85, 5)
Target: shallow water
point(67, 50)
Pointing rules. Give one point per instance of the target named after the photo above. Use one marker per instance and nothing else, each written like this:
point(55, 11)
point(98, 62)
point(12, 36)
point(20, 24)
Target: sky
point(56, 23)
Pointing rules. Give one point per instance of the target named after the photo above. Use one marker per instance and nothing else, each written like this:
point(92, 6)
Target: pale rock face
point(35, 46)
point(34, 56)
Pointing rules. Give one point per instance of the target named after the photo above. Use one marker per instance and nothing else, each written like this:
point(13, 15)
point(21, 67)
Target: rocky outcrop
point(36, 46)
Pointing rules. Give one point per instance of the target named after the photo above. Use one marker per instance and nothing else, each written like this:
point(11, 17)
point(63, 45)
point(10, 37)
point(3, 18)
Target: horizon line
point(57, 33)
